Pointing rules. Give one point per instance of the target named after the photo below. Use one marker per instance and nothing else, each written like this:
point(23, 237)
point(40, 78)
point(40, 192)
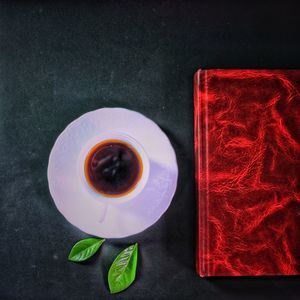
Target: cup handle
point(103, 213)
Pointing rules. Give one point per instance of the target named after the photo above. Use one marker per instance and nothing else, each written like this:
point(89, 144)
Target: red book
point(247, 150)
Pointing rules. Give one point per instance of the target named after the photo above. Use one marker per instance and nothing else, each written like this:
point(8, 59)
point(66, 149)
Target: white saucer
point(113, 218)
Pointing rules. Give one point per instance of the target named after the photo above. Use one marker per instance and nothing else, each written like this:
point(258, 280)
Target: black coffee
point(113, 168)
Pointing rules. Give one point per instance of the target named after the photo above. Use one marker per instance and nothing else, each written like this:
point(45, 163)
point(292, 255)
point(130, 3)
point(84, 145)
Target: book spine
point(201, 170)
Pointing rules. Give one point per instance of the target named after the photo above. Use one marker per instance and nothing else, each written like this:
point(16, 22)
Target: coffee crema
point(113, 168)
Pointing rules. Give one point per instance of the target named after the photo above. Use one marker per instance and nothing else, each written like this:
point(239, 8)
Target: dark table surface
point(60, 59)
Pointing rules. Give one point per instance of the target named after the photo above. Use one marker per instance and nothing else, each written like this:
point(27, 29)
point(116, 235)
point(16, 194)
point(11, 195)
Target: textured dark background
point(60, 59)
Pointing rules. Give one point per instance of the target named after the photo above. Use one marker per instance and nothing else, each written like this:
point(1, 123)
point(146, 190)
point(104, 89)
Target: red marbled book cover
point(247, 150)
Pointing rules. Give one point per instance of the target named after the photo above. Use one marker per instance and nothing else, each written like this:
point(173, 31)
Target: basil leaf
point(84, 249)
point(122, 271)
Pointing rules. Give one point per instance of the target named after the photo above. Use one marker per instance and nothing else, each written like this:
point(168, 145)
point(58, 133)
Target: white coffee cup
point(122, 137)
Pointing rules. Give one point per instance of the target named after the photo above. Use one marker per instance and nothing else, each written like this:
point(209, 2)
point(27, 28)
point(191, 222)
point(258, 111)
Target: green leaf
point(85, 249)
point(122, 271)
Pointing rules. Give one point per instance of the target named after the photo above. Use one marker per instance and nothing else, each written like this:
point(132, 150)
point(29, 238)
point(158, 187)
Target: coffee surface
point(113, 168)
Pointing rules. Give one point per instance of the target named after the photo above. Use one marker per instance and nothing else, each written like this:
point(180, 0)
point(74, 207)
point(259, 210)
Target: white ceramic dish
point(112, 217)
